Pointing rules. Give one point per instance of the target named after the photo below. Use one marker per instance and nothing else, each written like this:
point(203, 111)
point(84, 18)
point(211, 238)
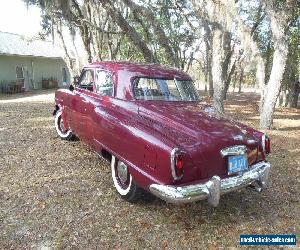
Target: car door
point(80, 103)
point(102, 124)
point(113, 122)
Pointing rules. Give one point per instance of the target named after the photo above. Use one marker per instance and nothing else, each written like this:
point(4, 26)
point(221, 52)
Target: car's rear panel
point(200, 136)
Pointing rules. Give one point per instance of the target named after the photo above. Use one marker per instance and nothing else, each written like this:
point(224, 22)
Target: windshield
point(164, 90)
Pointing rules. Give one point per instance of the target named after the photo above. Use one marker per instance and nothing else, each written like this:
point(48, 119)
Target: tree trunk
point(208, 72)
point(284, 95)
point(218, 81)
point(228, 80)
point(279, 22)
point(130, 31)
point(234, 81)
point(241, 80)
point(85, 32)
point(248, 43)
point(274, 83)
point(260, 79)
point(69, 61)
point(210, 78)
point(294, 94)
point(86, 39)
point(158, 30)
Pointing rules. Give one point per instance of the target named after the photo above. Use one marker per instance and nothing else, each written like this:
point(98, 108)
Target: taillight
point(265, 143)
point(179, 165)
point(176, 164)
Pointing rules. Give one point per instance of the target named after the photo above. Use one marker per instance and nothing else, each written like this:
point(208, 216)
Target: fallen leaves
point(59, 194)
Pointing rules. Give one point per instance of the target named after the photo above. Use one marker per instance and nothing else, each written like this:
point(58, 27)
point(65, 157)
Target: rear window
point(164, 89)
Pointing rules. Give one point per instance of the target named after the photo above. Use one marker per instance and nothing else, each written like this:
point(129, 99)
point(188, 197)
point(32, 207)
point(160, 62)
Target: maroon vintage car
point(150, 123)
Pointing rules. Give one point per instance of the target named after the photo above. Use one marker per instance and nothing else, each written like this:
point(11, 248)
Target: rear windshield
point(164, 90)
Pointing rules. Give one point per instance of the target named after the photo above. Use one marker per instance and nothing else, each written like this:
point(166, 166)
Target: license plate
point(237, 164)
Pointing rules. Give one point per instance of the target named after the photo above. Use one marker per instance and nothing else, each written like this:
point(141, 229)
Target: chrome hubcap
point(62, 125)
point(122, 172)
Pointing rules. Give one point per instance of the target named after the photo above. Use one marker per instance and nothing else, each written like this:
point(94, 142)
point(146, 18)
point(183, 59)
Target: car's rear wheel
point(62, 131)
point(124, 183)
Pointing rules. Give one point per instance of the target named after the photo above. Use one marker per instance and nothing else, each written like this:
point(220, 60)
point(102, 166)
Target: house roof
point(13, 44)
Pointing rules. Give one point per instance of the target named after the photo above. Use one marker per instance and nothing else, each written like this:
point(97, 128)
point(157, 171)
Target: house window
point(20, 76)
point(19, 73)
point(64, 75)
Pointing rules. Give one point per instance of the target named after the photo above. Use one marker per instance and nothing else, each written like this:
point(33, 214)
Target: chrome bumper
point(211, 191)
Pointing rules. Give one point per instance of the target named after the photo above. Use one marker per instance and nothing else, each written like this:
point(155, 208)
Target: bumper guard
point(256, 176)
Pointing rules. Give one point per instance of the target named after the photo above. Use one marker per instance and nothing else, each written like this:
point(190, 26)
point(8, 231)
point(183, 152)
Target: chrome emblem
point(234, 150)
point(238, 137)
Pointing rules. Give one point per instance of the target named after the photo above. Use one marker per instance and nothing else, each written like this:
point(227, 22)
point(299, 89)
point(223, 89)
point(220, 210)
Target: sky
point(16, 18)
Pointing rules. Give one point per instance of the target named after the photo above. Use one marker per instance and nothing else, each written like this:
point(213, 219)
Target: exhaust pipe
point(255, 187)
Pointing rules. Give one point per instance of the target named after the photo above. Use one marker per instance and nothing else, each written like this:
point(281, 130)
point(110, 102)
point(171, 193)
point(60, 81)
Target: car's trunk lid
point(200, 131)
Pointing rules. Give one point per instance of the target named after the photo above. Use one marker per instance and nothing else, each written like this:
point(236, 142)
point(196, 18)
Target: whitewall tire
point(124, 183)
point(65, 134)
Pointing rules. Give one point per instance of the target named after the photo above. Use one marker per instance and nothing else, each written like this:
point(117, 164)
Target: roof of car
point(139, 68)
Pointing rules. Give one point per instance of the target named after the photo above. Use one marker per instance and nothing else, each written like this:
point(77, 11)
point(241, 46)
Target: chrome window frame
point(263, 143)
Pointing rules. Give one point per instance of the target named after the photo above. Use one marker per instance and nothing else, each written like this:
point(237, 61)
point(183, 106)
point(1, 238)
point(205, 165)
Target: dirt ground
point(59, 194)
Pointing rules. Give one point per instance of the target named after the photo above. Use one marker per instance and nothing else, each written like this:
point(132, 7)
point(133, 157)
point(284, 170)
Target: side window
point(149, 89)
point(87, 80)
point(104, 83)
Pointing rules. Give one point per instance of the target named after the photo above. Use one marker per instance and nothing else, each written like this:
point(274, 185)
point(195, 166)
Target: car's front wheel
point(124, 183)
point(62, 131)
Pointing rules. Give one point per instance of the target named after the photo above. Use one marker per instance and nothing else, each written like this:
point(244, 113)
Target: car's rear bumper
point(256, 176)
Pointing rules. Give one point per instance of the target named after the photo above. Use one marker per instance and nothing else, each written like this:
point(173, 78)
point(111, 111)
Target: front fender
point(55, 110)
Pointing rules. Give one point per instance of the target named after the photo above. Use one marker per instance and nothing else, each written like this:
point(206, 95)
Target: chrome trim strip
point(214, 188)
point(173, 154)
point(263, 143)
point(234, 150)
point(251, 141)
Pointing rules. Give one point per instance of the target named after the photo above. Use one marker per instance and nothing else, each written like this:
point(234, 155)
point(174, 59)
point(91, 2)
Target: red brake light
point(267, 145)
point(179, 165)
point(176, 164)
point(265, 142)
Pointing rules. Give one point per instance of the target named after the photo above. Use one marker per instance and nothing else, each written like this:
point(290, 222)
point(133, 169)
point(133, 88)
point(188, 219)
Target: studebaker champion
point(149, 122)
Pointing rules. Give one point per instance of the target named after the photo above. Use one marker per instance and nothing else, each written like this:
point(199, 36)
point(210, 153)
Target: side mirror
point(76, 80)
point(71, 87)
point(75, 83)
